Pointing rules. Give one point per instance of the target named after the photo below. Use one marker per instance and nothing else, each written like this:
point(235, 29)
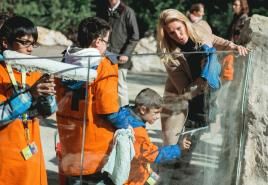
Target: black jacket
point(125, 32)
point(236, 26)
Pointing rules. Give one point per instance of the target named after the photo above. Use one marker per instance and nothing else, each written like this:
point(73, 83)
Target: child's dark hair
point(18, 26)
point(90, 29)
point(149, 98)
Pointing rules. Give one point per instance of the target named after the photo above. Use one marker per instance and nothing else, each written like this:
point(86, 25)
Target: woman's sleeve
point(177, 78)
point(220, 43)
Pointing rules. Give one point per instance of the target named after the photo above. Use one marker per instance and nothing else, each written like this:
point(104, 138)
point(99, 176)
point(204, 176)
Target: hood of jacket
point(85, 57)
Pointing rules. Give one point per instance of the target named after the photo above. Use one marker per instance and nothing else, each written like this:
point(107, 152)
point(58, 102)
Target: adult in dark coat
point(123, 39)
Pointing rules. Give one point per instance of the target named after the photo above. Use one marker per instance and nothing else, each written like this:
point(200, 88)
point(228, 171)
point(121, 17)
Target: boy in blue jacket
point(147, 108)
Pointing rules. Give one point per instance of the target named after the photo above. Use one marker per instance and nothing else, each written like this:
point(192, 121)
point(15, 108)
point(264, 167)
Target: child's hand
point(44, 86)
point(185, 144)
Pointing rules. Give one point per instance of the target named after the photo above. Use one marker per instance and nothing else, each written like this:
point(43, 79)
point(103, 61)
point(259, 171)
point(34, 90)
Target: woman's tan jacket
point(179, 74)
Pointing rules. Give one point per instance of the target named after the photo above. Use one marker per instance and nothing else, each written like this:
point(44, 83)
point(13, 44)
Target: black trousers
point(203, 108)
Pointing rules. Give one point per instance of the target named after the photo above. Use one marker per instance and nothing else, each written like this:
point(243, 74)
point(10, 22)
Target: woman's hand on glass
point(241, 49)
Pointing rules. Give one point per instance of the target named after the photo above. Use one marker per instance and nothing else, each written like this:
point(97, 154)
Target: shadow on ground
point(149, 79)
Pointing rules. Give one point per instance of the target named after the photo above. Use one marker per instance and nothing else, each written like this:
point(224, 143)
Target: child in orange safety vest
point(147, 108)
point(24, 96)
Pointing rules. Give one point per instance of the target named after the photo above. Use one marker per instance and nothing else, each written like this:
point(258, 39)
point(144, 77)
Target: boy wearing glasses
point(103, 114)
point(24, 96)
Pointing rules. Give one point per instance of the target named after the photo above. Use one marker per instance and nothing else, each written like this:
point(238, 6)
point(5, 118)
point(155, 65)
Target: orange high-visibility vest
point(145, 153)
point(14, 169)
point(102, 99)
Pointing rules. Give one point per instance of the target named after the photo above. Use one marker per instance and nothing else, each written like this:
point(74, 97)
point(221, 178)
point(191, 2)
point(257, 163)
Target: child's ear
point(98, 42)
point(143, 110)
point(95, 43)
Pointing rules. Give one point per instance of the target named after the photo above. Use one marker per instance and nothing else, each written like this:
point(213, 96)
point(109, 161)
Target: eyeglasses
point(27, 43)
point(106, 42)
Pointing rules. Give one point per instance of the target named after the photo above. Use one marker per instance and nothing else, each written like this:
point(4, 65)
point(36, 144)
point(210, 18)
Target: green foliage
point(261, 11)
point(219, 22)
point(62, 15)
point(147, 11)
point(65, 15)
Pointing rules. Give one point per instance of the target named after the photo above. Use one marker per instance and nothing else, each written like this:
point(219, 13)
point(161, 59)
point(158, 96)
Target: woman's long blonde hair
point(164, 42)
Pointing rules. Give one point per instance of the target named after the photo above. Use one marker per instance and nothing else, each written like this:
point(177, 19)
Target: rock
point(255, 159)
point(48, 37)
point(149, 62)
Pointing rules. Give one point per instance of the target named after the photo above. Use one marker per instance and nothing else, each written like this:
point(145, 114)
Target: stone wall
point(48, 37)
point(255, 158)
point(146, 63)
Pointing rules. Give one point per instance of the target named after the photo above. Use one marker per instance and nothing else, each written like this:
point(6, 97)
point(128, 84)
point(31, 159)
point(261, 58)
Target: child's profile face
point(151, 115)
point(102, 43)
point(23, 44)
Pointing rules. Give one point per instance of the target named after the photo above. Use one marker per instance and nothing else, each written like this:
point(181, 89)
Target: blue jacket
point(23, 102)
point(165, 153)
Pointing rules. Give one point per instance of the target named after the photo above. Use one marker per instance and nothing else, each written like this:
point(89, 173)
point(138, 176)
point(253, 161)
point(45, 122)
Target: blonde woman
point(176, 34)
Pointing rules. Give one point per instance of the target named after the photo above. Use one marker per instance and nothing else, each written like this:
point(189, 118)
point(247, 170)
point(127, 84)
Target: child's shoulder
point(140, 131)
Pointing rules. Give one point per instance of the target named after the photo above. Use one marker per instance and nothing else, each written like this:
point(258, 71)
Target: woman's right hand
point(241, 49)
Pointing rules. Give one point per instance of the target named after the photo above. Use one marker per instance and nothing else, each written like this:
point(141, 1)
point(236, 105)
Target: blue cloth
point(212, 69)
point(168, 153)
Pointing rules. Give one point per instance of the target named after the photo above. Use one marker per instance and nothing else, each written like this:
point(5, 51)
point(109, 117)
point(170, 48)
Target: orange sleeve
point(105, 100)
point(144, 148)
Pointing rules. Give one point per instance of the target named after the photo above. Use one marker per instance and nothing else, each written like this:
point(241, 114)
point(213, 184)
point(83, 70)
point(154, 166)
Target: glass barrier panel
point(79, 141)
